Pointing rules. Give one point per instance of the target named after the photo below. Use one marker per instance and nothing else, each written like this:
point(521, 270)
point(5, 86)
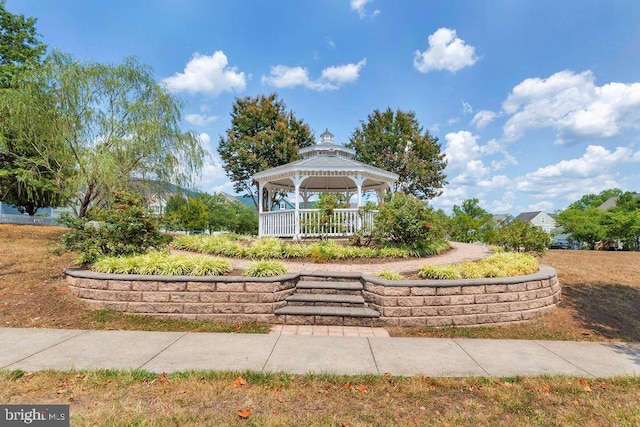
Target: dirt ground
point(600, 294)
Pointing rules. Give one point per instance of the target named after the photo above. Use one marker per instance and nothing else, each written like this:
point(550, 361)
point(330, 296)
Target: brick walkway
point(459, 252)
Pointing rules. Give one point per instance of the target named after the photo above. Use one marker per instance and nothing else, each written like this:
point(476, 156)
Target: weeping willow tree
point(93, 127)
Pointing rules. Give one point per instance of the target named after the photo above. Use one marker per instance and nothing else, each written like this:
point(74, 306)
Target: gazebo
point(324, 168)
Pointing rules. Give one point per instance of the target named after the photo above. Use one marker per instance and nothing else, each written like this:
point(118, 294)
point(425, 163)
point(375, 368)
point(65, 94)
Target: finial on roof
point(326, 137)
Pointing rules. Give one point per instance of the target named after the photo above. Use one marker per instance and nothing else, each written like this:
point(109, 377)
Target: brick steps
point(327, 302)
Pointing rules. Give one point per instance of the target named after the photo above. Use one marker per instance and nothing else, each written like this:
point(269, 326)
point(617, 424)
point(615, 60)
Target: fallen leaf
point(244, 413)
point(432, 388)
point(347, 385)
point(545, 389)
point(239, 382)
point(61, 391)
point(277, 388)
point(362, 388)
point(387, 374)
point(585, 386)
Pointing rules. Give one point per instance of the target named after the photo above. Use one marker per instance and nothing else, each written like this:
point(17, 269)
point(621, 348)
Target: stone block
point(128, 296)
point(224, 308)
point(410, 301)
point(498, 308)
point(474, 309)
point(172, 286)
point(397, 291)
point(83, 293)
point(450, 310)
point(423, 290)
point(424, 311)
point(184, 297)
point(168, 308)
point(119, 285)
point(156, 296)
point(141, 307)
point(116, 305)
point(489, 318)
point(508, 297)
point(534, 285)
point(527, 296)
point(462, 299)
point(495, 289)
point(201, 287)
point(437, 301)
point(259, 287)
point(329, 320)
point(517, 287)
point(266, 297)
point(214, 296)
point(230, 287)
point(242, 297)
point(449, 290)
point(397, 311)
point(376, 289)
point(198, 308)
point(258, 309)
point(486, 299)
point(298, 320)
point(105, 295)
point(139, 285)
point(91, 283)
point(471, 319)
point(473, 289)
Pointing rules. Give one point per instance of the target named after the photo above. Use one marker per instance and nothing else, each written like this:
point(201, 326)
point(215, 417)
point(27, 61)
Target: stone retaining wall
point(400, 303)
point(463, 302)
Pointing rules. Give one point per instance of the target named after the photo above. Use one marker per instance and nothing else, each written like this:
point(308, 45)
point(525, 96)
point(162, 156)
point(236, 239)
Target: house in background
point(539, 219)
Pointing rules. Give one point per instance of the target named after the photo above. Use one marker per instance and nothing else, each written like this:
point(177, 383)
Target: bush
point(408, 222)
point(446, 272)
point(265, 269)
point(126, 228)
point(521, 236)
point(164, 264)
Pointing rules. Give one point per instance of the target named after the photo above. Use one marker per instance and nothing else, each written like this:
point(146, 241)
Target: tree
point(394, 141)
point(19, 44)
point(262, 135)
point(523, 236)
point(113, 123)
point(24, 181)
point(584, 225)
point(470, 223)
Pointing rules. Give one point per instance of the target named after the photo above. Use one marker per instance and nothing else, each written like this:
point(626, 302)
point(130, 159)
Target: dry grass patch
point(249, 398)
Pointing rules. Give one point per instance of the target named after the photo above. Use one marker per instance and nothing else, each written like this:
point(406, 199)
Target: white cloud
point(200, 119)
point(568, 180)
point(445, 52)
point(466, 108)
point(359, 6)
point(496, 182)
point(210, 75)
point(462, 147)
point(453, 120)
point(331, 78)
point(483, 118)
point(573, 106)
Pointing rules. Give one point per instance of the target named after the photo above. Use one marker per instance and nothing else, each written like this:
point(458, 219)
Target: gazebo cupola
point(323, 167)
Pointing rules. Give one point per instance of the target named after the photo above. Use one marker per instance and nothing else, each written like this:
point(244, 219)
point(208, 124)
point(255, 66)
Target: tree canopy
point(395, 141)
point(589, 223)
point(470, 222)
point(24, 181)
point(109, 123)
point(263, 135)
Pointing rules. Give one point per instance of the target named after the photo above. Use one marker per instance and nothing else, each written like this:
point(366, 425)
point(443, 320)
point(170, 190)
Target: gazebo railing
point(343, 222)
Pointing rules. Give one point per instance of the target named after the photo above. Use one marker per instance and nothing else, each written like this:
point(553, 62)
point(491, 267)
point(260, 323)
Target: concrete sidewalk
point(38, 349)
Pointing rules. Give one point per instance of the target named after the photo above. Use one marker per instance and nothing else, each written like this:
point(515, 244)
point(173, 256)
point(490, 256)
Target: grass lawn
point(601, 301)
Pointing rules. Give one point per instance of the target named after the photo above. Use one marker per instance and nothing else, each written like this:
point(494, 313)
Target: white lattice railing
point(343, 222)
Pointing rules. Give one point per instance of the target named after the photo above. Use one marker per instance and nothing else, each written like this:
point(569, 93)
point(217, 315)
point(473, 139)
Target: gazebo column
point(359, 180)
point(296, 183)
point(260, 219)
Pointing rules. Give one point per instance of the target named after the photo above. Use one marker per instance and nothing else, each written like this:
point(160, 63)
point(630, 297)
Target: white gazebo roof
point(324, 167)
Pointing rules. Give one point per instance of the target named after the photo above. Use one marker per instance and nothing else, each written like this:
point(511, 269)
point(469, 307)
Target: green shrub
point(521, 236)
point(266, 268)
point(161, 263)
point(409, 222)
point(126, 228)
point(390, 275)
point(266, 247)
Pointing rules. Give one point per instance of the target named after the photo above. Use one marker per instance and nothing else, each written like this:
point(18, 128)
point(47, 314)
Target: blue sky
point(535, 103)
